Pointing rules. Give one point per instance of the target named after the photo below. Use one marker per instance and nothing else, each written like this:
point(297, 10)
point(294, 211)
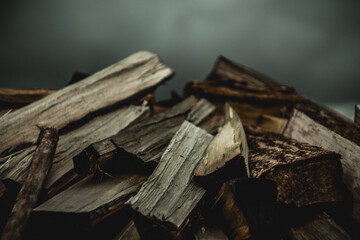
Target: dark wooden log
point(129, 78)
point(304, 129)
point(129, 233)
point(304, 174)
point(227, 155)
point(170, 195)
point(272, 124)
point(208, 232)
point(357, 114)
point(321, 227)
point(16, 98)
point(144, 142)
point(70, 144)
point(33, 184)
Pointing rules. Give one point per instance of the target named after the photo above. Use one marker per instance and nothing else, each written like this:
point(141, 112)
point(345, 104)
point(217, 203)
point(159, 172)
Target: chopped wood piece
point(304, 129)
point(227, 153)
point(16, 98)
point(304, 174)
point(272, 124)
point(89, 201)
point(116, 84)
point(129, 233)
point(71, 144)
point(357, 114)
point(170, 194)
point(33, 184)
point(144, 142)
point(322, 227)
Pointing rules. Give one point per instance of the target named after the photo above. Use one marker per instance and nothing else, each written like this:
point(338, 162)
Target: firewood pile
point(238, 156)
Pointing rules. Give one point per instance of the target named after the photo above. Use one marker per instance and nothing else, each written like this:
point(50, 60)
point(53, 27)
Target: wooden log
point(272, 124)
point(144, 142)
point(116, 84)
point(321, 227)
point(71, 144)
point(170, 194)
point(304, 174)
point(227, 155)
point(16, 98)
point(208, 232)
point(129, 233)
point(33, 184)
point(357, 114)
point(88, 202)
point(304, 129)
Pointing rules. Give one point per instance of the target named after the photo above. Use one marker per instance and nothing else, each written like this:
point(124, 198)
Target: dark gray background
point(311, 45)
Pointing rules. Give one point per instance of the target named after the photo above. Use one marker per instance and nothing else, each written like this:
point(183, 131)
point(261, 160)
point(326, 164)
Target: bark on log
point(33, 184)
point(304, 129)
point(116, 84)
point(71, 144)
point(170, 194)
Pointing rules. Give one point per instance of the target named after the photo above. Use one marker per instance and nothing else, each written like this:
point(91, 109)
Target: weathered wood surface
point(128, 233)
point(33, 184)
point(90, 200)
point(15, 98)
point(304, 129)
point(71, 144)
point(322, 227)
point(119, 82)
point(144, 142)
point(304, 174)
point(357, 114)
point(272, 124)
point(170, 194)
point(228, 152)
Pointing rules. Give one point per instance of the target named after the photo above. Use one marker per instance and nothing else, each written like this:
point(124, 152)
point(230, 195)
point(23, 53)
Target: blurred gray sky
point(311, 45)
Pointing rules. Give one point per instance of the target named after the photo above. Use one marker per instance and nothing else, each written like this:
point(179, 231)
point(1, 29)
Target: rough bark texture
point(304, 129)
point(33, 184)
point(170, 194)
point(117, 83)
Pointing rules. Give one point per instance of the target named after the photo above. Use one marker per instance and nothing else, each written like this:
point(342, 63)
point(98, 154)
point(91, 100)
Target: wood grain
point(272, 124)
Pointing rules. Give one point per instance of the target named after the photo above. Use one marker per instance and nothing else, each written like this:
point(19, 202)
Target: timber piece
point(28, 195)
point(303, 129)
point(129, 232)
point(227, 155)
point(87, 203)
point(69, 145)
point(305, 174)
point(272, 124)
point(320, 227)
point(120, 82)
point(144, 142)
point(357, 114)
point(16, 98)
point(170, 195)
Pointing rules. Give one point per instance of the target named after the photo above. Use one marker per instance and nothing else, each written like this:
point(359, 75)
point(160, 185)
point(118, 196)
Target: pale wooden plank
point(113, 85)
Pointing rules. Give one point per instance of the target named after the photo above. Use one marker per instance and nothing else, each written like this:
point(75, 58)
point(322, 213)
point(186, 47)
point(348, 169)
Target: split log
point(116, 84)
point(304, 174)
point(86, 203)
point(16, 98)
point(357, 114)
point(33, 184)
point(304, 129)
point(227, 155)
point(272, 124)
point(129, 232)
point(170, 194)
point(144, 142)
point(322, 227)
point(70, 144)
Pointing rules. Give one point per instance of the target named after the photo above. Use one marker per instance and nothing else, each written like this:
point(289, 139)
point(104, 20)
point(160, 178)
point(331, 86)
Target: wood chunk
point(170, 194)
point(322, 227)
point(116, 84)
point(227, 153)
point(89, 201)
point(16, 98)
point(272, 124)
point(304, 174)
point(144, 142)
point(33, 184)
point(357, 114)
point(304, 129)
point(129, 233)
point(69, 145)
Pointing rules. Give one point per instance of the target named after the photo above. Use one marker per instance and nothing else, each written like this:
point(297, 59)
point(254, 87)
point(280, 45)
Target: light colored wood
point(304, 129)
point(113, 85)
point(71, 144)
point(170, 194)
point(225, 146)
point(272, 124)
point(357, 114)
